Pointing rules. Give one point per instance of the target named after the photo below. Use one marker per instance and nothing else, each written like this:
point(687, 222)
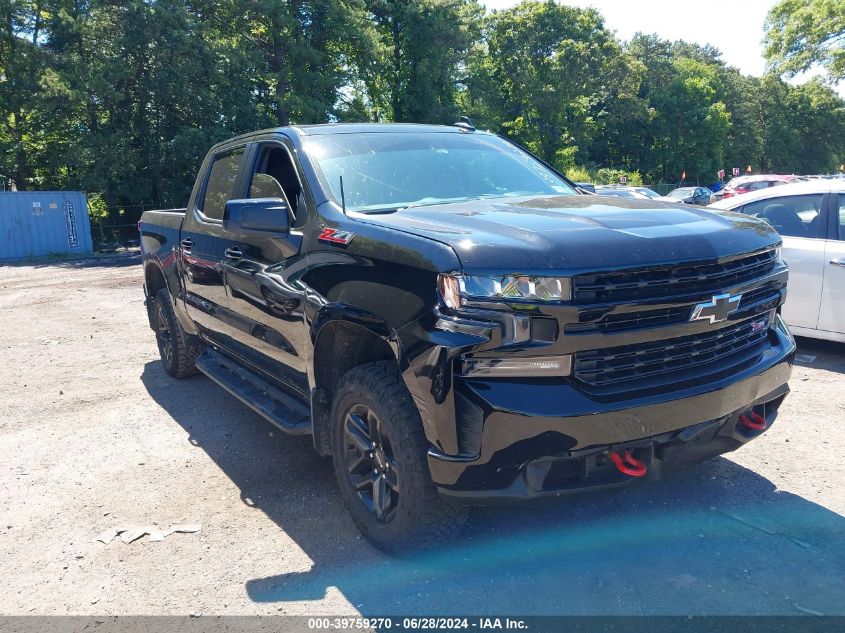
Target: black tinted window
point(796, 216)
point(221, 183)
point(275, 177)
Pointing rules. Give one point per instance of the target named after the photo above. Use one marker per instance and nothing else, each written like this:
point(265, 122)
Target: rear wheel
point(379, 454)
point(178, 350)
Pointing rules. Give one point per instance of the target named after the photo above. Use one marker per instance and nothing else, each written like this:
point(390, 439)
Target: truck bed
point(170, 218)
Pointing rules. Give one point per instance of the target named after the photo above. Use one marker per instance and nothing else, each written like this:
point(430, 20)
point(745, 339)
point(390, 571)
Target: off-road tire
point(184, 348)
point(422, 518)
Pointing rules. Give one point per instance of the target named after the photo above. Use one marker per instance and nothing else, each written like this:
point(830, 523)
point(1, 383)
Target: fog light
point(537, 367)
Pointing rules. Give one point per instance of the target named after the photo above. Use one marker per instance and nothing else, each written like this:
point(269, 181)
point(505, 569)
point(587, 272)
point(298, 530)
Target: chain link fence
point(118, 229)
point(110, 237)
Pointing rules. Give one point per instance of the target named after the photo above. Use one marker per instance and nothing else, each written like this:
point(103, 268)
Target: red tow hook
point(755, 421)
point(628, 464)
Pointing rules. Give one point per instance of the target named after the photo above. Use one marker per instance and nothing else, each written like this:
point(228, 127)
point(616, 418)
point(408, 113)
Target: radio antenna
point(342, 197)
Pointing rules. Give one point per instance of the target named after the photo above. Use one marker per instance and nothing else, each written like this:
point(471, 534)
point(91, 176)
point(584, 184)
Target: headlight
point(456, 289)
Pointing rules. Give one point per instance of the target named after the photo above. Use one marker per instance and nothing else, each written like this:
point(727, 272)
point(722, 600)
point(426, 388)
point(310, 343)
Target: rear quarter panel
point(160, 232)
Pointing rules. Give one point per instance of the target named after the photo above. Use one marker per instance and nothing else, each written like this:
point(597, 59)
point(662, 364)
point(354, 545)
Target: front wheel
point(379, 454)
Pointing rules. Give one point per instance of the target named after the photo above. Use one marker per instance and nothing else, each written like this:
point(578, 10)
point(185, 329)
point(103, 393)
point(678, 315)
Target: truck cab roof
point(323, 129)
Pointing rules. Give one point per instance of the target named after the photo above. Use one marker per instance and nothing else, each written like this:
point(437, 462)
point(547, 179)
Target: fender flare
point(349, 314)
point(175, 293)
point(153, 263)
point(370, 325)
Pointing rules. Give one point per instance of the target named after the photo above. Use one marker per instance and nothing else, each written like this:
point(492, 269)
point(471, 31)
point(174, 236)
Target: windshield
point(618, 193)
point(681, 193)
point(648, 193)
point(394, 170)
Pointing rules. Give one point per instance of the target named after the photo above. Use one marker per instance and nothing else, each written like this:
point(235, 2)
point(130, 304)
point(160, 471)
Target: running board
point(277, 406)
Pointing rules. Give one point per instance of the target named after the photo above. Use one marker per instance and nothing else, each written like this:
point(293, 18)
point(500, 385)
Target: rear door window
point(795, 216)
point(220, 187)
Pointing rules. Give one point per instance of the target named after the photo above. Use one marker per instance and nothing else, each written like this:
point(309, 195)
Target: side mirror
point(265, 216)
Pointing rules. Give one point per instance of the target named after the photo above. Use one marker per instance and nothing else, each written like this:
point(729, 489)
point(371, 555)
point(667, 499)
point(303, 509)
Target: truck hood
point(579, 233)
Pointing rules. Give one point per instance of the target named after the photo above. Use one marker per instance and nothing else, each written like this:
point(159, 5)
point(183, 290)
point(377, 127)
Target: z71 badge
point(336, 237)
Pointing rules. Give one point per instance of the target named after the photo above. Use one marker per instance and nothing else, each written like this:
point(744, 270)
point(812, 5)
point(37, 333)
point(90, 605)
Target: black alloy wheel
point(178, 350)
point(380, 459)
point(164, 336)
point(370, 462)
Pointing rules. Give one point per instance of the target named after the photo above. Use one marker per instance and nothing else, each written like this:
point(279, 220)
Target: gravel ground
point(93, 435)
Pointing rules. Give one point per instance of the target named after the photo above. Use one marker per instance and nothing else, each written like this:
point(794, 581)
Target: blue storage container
point(38, 223)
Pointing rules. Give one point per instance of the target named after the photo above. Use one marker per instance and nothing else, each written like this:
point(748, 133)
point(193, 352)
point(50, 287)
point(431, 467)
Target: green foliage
point(97, 208)
point(579, 174)
point(422, 44)
point(681, 83)
point(610, 176)
point(603, 175)
point(802, 33)
point(542, 74)
point(124, 98)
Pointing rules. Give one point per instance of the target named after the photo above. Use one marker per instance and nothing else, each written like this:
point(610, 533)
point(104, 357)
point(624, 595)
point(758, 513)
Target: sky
point(735, 27)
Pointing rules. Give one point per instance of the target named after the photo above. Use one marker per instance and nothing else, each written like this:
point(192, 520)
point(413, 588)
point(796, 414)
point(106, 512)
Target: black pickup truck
point(454, 322)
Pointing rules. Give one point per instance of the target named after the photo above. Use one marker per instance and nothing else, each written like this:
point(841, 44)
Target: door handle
point(187, 243)
point(838, 262)
point(233, 252)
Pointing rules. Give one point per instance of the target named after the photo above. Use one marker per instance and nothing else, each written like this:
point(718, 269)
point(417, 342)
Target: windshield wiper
point(430, 202)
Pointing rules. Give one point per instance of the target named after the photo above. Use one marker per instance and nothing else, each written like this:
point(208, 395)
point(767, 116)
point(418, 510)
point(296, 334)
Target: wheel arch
point(154, 278)
point(344, 339)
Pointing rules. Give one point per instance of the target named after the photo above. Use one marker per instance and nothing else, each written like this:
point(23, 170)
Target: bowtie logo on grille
point(717, 309)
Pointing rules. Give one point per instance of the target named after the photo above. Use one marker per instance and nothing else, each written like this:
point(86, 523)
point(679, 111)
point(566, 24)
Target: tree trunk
point(396, 92)
point(282, 82)
point(21, 174)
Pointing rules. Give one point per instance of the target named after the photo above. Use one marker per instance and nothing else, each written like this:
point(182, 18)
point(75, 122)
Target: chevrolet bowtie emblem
point(717, 309)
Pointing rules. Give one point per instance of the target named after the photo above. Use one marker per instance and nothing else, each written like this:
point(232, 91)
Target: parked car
point(717, 191)
point(648, 193)
point(453, 323)
point(619, 192)
point(689, 195)
point(588, 187)
point(644, 192)
point(744, 184)
point(810, 216)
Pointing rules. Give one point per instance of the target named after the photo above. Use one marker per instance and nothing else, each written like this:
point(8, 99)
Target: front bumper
point(543, 437)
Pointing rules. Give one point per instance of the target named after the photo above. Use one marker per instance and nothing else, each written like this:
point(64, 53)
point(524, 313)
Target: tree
point(801, 33)
point(543, 75)
point(744, 141)
point(781, 143)
point(298, 53)
point(817, 116)
point(22, 62)
point(123, 98)
point(422, 47)
point(682, 85)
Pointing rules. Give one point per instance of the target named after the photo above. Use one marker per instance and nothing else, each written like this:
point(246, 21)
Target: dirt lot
point(93, 434)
